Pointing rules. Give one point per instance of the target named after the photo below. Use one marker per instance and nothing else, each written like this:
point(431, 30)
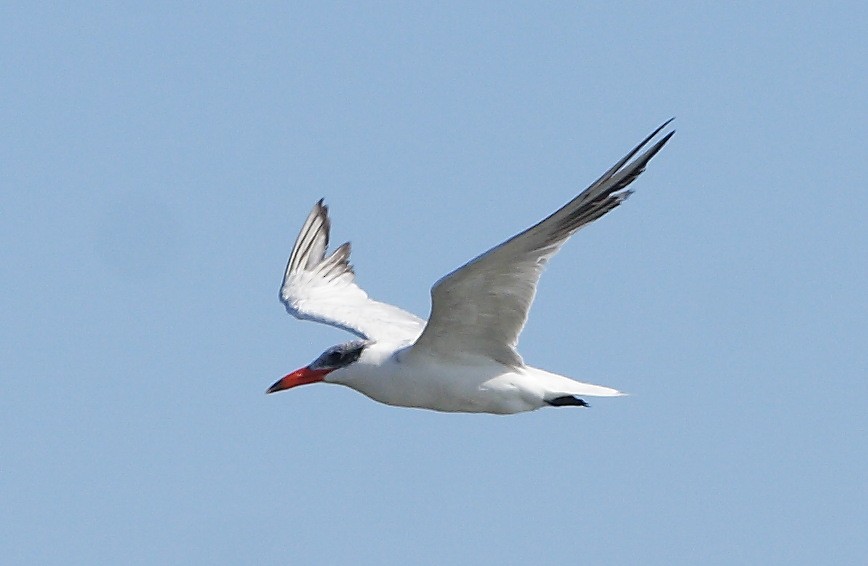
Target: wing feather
point(323, 288)
point(480, 308)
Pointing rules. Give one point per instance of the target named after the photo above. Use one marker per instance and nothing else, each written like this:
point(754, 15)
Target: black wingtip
point(659, 145)
point(657, 131)
point(663, 140)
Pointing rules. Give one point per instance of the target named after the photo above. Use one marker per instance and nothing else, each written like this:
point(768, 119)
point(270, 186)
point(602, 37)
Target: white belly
point(475, 386)
point(489, 388)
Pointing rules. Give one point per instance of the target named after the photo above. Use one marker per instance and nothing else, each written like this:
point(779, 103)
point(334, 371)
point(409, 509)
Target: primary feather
point(323, 288)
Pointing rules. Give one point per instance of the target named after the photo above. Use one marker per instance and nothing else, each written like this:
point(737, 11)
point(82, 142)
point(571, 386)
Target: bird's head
point(335, 358)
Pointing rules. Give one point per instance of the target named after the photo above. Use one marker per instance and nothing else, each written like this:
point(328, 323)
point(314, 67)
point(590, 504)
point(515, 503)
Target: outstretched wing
point(480, 308)
point(323, 289)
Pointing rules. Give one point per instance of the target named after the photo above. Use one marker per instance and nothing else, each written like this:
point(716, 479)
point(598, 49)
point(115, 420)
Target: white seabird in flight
point(464, 358)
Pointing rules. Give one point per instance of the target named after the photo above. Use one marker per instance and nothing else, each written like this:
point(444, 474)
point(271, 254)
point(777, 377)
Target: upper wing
point(481, 307)
point(323, 289)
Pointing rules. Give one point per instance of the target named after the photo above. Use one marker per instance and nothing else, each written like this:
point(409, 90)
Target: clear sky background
point(156, 164)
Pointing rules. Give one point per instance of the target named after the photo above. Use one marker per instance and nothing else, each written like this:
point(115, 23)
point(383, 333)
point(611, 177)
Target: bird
point(464, 357)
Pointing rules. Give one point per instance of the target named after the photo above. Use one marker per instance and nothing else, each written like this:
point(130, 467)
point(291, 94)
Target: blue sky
point(157, 163)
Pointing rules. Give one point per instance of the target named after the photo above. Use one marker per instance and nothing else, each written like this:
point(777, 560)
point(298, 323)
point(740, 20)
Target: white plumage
point(464, 358)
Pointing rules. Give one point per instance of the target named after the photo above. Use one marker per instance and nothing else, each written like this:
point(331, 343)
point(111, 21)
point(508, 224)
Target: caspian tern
point(464, 358)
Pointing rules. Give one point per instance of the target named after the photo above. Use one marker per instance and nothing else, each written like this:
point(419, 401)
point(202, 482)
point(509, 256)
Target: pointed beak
point(301, 376)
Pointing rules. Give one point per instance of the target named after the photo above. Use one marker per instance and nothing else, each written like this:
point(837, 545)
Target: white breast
point(475, 386)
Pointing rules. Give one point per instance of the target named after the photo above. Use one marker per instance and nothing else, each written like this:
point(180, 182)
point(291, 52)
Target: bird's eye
point(334, 359)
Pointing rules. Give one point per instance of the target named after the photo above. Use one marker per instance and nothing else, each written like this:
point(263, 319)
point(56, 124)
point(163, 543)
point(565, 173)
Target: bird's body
point(464, 358)
point(386, 372)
